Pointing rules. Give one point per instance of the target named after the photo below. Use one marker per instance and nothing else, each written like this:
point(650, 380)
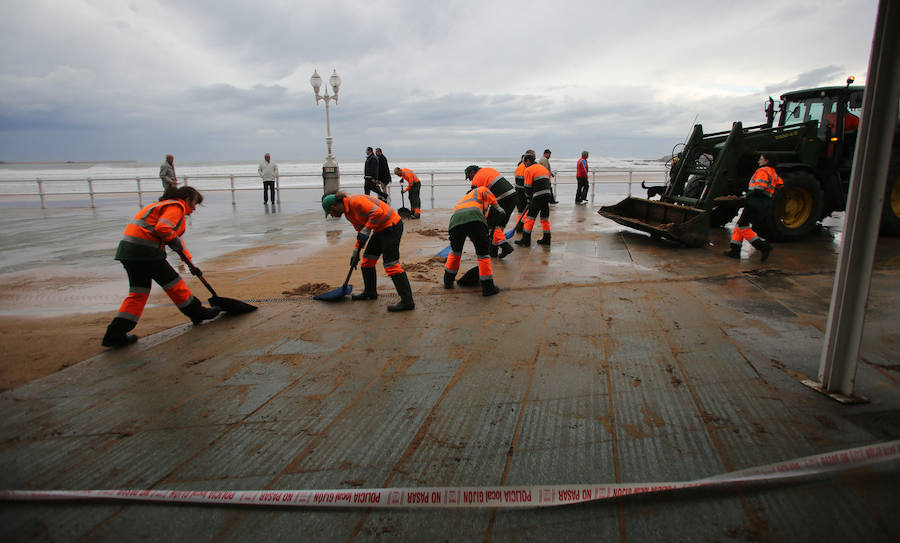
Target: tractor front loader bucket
point(688, 225)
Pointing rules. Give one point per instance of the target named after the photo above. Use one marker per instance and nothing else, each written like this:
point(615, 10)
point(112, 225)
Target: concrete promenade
point(608, 357)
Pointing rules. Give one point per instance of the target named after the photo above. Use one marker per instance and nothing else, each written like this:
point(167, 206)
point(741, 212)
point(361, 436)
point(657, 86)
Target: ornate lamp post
point(331, 176)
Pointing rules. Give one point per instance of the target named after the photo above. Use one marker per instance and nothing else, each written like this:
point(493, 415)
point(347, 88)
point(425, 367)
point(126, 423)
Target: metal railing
point(431, 180)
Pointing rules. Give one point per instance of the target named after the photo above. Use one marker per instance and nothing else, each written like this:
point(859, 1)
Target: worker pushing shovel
point(142, 252)
point(373, 218)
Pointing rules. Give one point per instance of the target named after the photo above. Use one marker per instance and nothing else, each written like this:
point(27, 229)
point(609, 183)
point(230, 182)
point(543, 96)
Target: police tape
point(471, 497)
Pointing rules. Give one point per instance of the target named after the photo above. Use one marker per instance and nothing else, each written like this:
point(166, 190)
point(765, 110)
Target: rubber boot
point(488, 288)
point(506, 248)
point(494, 250)
point(401, 283)
point(449, 279)
point(545, 240)
point(519, 227)
point(370, 280)
point(734, 251)
point(117, 333)
point(525, 241)
point(763, 247)
point(197, 313)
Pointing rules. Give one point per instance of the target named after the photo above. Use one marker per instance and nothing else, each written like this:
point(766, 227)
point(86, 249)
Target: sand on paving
point(35, 346)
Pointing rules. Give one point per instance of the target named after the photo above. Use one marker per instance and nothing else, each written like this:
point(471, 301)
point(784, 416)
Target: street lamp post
point(331, 177)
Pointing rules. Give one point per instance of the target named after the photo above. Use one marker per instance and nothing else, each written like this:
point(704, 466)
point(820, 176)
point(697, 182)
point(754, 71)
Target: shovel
point(403, 211)
point(345, 289)
point(229, 305)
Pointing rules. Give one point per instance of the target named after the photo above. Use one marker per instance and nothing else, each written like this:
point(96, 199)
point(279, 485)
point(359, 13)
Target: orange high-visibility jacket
point(491, 178)
point(474, 206)
point(154, 226)
point(765, 180)
point(520, 175)
point(409, 176)
point(364, 211)
point(537, 177)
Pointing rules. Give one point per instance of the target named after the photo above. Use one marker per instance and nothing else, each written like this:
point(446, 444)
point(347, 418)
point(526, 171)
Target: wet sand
point(276, 269)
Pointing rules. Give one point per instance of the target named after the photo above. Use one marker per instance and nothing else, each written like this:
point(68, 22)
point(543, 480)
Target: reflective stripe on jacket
point(364, 211)
point(766, 180)
point(474, 206)
point(154, 226)
point(409, 176)
point(538, 178)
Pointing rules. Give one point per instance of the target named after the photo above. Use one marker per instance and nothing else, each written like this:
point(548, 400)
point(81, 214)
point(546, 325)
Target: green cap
point(471, 170)
point(327, 202)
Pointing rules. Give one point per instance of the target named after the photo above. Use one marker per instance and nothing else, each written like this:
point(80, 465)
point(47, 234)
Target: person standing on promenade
point(545, 162)
point(537, 188)
point(505, 194)
point(142, 252)
point(167, 173)
point(384, 174)
point(413, 189)
point(268, 171)
point(759, 197)
point(472, 218)
point(370, 175)
point(581, 176)
point(373, 218)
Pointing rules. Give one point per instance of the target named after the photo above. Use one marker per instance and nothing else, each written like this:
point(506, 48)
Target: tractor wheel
point(890, 215)
point(795, 208)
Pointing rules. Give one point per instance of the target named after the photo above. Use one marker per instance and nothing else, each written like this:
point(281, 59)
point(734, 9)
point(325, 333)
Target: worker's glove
point(363, 236)
point(194, 270)
point(354, 259)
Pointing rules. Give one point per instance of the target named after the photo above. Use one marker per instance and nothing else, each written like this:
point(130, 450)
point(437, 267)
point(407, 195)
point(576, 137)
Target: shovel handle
point(361, 251)
point(200, 277)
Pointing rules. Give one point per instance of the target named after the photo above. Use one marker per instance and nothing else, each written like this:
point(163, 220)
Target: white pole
point(837, 369)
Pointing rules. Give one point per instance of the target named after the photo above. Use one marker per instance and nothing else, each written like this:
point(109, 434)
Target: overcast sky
point(211, 80)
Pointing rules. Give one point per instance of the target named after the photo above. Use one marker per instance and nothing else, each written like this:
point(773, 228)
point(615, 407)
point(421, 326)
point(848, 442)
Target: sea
point(73, 183)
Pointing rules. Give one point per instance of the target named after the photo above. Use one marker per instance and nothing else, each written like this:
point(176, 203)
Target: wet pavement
point(607, 357)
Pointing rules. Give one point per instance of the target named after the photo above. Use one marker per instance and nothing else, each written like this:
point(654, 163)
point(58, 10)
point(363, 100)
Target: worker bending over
point(762, 186)
point(471, 218)
point(142, 251)
point(373, 218)
point(505, 194)
point(413, 189)
point(537, 189)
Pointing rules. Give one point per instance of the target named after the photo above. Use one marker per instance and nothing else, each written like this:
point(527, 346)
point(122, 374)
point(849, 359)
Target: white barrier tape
point(457, 497)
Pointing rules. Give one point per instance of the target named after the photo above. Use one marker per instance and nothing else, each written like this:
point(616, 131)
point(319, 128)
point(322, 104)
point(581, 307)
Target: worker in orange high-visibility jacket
point(521, 198)
point(375, 219)
point(413, 189)
point(142, 252)
point(539, 193)
point(472, 218)
point(762, 187)
point(505, 193)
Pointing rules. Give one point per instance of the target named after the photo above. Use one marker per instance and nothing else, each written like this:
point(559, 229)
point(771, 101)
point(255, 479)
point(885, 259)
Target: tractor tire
point(890, 215)
point(795, 210)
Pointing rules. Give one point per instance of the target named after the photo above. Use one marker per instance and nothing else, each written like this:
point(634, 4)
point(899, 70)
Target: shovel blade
point(335, 294)
point(230, 305)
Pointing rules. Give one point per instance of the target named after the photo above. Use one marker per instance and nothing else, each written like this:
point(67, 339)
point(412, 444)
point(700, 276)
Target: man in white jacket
point(268, 170)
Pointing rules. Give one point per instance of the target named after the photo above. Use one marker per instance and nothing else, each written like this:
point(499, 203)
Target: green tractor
point(814, 140)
